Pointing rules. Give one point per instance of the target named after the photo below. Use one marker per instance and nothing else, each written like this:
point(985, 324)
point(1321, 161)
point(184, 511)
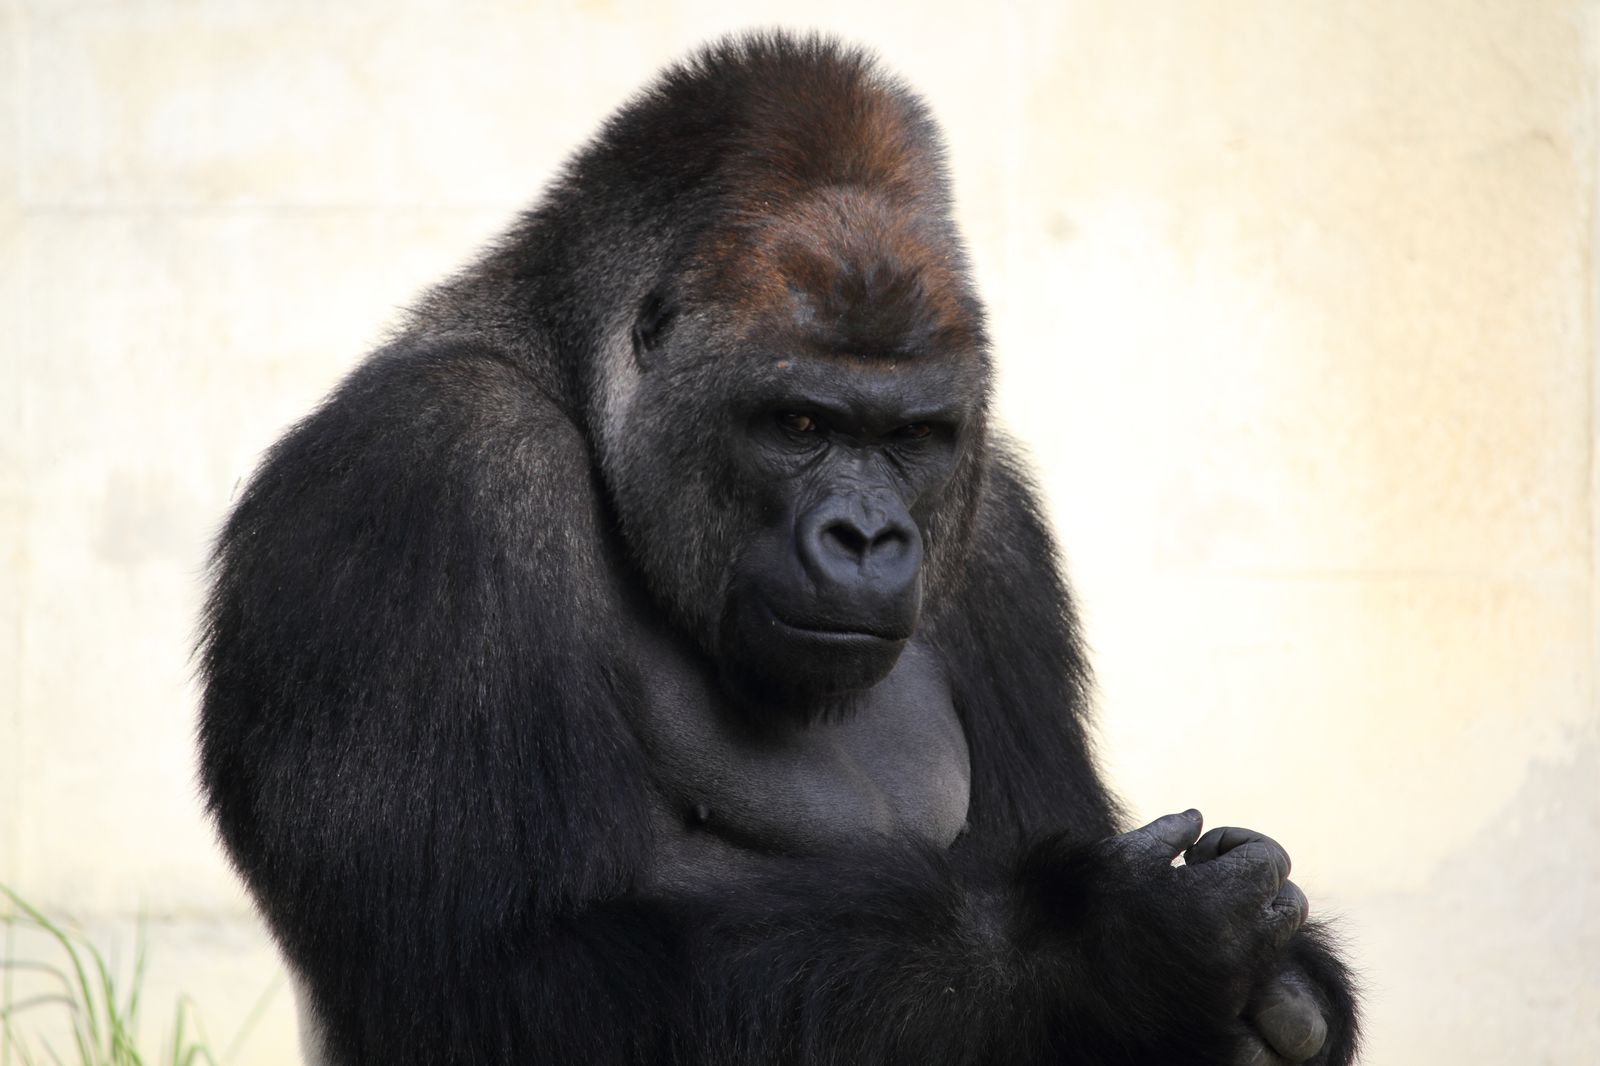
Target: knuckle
point(1296, 1032)
point(1289, 1018)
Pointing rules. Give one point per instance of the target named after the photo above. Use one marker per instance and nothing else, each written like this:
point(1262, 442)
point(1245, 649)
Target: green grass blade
point(38, 967)
point(141, 945)
point(86, 1041)
point(202, 1044)
point(252, 1018)
point(177, 1035)
point(18, 1006)
point(104, 1004)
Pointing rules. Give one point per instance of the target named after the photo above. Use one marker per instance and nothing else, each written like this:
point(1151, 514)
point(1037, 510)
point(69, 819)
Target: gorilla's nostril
point(891, 541)
point(851, 541)
point(845, 538)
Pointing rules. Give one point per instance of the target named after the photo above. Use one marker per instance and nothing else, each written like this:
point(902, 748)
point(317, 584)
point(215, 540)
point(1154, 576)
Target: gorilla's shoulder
point(415, 410)
point(428, 450)
point(439, 389)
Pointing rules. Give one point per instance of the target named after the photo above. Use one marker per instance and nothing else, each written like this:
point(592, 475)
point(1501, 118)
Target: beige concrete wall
point(1295, 304)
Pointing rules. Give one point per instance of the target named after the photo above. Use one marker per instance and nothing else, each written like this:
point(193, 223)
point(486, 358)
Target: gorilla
point(651, 654)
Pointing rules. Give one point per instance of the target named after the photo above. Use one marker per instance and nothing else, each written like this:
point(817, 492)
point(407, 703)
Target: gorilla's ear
point(650, 325)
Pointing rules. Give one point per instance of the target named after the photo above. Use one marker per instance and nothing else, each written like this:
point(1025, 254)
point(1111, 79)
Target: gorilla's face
point(783, 501)
point(791, 442)
point(844, 461)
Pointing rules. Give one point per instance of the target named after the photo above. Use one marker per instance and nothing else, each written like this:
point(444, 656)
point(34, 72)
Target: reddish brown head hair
point(836, 220)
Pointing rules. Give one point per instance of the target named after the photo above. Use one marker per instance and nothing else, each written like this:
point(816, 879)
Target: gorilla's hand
point(1287, 1022)
point(1284, 1013)
point(1234, 887)
point(1231, 911)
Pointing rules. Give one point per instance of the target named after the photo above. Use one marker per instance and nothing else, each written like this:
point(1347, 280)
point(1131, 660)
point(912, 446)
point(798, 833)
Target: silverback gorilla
point(650, 655)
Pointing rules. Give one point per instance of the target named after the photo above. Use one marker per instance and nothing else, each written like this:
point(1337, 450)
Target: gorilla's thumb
point(1172, 833)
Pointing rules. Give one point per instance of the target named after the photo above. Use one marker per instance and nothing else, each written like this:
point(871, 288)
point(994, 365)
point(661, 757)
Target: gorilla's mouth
point(803, 659)
point(830, 632)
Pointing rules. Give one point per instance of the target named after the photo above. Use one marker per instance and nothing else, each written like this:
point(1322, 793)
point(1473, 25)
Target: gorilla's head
point(792, 411)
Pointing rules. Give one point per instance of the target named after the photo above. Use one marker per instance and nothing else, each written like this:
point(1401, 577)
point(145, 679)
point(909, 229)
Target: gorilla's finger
point(1289, 1018)
point(1286, 913)
point(1216, 841)
point(1223, 839)
point(1165, 838)
point(1260, 860)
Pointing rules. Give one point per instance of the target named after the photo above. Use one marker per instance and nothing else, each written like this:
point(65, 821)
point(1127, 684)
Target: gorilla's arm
point(412, 744)
point(1020, 681)
point(408, 736)
point(1022, 690)
point(1090, 955)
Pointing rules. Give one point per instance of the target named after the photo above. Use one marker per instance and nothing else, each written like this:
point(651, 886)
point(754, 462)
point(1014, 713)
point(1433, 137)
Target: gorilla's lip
point(826, 632)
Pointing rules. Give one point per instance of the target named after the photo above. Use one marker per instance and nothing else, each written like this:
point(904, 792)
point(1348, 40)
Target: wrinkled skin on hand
point(1283, 1012)
point(1236, 884)
point(1287, 1019)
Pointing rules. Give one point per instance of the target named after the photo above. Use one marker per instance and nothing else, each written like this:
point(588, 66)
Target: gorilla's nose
point(861, 549)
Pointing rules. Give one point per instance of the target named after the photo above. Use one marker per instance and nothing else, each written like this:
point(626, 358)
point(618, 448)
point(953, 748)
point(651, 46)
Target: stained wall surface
point(1294, 305)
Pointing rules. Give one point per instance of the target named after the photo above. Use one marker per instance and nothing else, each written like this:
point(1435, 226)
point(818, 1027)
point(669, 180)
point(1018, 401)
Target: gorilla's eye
point(798, 423)
point(915, 431)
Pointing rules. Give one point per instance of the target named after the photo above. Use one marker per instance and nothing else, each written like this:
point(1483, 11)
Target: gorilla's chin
point(809, 671)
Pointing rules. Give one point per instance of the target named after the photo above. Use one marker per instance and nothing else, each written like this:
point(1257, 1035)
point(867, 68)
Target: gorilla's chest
point(728, 789)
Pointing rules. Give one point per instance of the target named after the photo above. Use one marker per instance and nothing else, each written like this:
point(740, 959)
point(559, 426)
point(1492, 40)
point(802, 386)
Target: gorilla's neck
point(771, 709)
point(749, 776)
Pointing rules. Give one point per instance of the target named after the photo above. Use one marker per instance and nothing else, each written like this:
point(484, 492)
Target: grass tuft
point(104, 1019)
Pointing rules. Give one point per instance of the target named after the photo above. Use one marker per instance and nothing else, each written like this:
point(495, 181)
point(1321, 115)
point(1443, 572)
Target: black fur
point(421, 732)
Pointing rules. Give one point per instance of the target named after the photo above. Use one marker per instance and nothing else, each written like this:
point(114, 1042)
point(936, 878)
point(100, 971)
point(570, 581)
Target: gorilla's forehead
point(852, 271)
